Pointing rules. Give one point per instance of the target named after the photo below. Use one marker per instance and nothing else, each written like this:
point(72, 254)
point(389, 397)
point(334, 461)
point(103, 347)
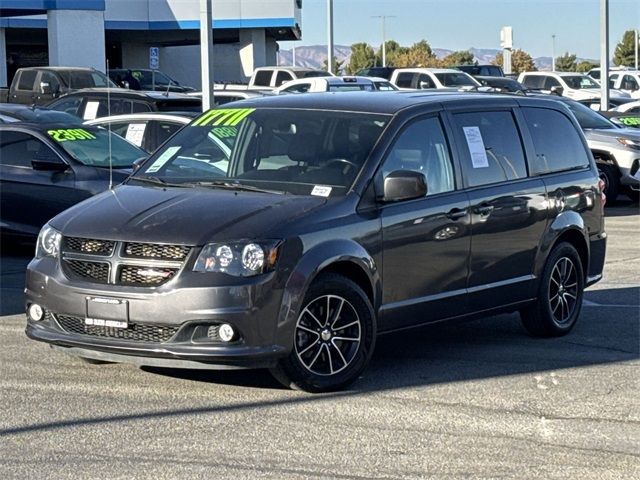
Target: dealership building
point(122, 33)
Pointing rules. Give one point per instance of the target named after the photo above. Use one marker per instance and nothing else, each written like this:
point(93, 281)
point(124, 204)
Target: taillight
point(601, 187)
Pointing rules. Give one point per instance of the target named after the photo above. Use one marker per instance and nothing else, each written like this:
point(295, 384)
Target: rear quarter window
point(557, 144)
point(533, 81)
point(404, 80)
point(263, 78)
point(27, 79)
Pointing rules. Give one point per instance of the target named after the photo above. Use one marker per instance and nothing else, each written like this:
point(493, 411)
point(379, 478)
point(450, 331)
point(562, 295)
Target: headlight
point(627, 142)
point(48, 242)
point(241, 259)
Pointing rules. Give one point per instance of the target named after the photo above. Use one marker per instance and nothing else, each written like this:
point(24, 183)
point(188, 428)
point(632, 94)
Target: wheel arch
point(340, 256)
point(567, 227)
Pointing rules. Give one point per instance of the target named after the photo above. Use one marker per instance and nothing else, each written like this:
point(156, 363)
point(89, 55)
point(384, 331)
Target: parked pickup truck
point(41, 85)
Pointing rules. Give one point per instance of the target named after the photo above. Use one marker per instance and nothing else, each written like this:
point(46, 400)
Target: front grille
point(88, 245)
point(97, 272)
point(156, 251)
point(145, 276)
point(135, 332)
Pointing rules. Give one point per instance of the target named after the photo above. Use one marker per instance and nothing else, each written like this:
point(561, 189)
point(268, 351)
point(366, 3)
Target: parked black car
point(502, 84)
point(12, 112)
point(101, 102)
point(47, 168)
point(483, 70)
point(336, 219)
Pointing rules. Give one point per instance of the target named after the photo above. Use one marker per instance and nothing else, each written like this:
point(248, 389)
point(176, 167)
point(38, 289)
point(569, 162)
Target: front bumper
point(186, 308)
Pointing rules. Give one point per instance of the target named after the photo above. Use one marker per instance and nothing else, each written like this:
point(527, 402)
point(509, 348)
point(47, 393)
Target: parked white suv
point(427, 78)
point(627, 81)
point(576, 86)
point(335, 84)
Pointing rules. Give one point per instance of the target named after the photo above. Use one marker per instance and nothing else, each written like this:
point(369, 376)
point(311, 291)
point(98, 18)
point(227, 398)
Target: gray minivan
point(332, 220)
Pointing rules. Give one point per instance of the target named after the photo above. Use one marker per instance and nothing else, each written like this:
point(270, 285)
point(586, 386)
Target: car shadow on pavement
point(445, 353)
point(14, 257)
point(482, 348)
point(623, 208)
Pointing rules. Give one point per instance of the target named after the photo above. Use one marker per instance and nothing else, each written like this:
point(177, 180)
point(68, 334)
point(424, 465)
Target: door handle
point(456, 213)
point(483, 210)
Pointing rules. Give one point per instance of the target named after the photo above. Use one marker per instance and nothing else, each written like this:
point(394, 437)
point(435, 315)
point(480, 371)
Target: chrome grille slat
point(136, 332)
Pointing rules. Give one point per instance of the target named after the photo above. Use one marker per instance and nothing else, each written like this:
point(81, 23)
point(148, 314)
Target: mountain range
point(313, 56)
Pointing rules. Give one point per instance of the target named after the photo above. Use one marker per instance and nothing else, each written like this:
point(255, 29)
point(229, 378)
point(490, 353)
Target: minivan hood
point(185, 216)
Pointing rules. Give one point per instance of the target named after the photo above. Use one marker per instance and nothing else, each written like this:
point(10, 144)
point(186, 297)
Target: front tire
point(559, 295)
point(609, 175)
point(334, 337)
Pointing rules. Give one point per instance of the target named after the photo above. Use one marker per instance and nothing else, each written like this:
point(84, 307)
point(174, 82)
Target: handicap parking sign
point(154, 58)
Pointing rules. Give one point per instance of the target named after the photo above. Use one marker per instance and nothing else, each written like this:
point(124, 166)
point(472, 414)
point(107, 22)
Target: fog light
point(36, 313)
point(226, 332)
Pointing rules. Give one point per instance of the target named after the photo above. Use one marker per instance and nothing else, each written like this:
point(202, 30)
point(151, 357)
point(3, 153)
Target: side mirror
point(404, 185)
point(45, 88)
point(138, 163)
point(424, 85)
point(557, 90)
point(50, 164)
point(125, 84)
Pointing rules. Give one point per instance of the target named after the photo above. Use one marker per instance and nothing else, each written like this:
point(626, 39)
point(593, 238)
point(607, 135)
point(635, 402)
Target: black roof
point(34, 114)
point(44, 127)
point(380, 102)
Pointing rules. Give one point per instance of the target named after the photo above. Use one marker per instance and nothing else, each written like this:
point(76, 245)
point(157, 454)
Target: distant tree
point(624, 54)
point(584, 66)
point(461, 57)
point(337, 66)
point(566, 63)
point(521, 61)
point(418, 55)
point(362, 56)
point(392, 51)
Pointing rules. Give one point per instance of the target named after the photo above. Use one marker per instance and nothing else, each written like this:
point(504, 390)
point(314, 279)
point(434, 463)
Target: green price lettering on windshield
point(630, 121)
point(225, 132)
point(70, 134)
point(225, 117)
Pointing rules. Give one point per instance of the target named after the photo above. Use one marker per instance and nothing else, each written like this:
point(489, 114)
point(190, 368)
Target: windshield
point(90, 146)
point(579, 81)
point(455, 79)
point(296, 151)
point(588, 118)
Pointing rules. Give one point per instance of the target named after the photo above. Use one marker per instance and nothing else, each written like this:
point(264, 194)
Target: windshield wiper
point(155, 181)
point(232, 186)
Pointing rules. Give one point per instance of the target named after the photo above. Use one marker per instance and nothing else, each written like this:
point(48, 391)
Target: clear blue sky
point(461, 24)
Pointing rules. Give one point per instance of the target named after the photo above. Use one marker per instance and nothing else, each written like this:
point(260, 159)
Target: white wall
point(76, 37)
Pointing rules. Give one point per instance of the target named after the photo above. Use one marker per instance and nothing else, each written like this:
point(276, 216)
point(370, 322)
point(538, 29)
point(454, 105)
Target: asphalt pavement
point(473, 400)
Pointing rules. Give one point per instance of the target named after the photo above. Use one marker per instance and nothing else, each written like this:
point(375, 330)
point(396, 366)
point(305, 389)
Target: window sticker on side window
point(135, 133)
point(91, 111)
point(162, 159)
point(70, 134)
point(226, 117)
point(476, 147)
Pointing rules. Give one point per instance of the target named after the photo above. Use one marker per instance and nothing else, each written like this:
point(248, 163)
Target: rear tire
point(611, 178)
point(559, 295)
point(334, 337)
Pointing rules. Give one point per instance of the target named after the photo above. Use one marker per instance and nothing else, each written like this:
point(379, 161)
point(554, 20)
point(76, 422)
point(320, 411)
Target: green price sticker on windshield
point(70, 134)
point(225, 132)
point(224, 117)
point(630, 121)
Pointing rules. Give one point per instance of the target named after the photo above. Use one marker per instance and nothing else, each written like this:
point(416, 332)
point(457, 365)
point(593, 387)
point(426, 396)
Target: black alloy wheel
point(559, 294)
point(334, 337)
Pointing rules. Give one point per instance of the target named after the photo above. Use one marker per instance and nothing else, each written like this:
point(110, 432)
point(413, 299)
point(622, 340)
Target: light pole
point(384, 39)
point(206, 53)
point(636, 36)
point(553, 53)
point(330, 36)
point(604, 54)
